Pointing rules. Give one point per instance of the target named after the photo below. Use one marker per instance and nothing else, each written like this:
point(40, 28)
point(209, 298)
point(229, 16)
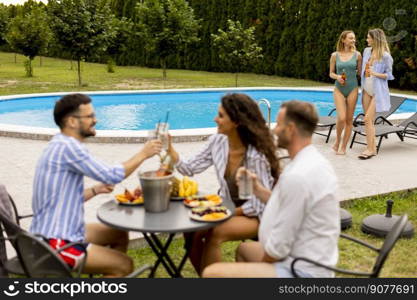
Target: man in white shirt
point(301, 218)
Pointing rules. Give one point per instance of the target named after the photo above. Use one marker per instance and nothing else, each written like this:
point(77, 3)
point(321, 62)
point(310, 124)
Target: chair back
point(390, 240)
point(38, 257)
point(413, 118)
point(395, 104)
point(11, 228)
point(7, 205)
point(9, 225)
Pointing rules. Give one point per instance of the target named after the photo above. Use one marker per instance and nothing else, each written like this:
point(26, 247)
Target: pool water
point(140, 111)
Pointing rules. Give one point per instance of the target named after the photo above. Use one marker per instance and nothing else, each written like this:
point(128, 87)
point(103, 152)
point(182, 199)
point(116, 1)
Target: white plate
point(177, 198)
point(200, 219)
point(128, 203)
point(203, 201)
point(173, 198)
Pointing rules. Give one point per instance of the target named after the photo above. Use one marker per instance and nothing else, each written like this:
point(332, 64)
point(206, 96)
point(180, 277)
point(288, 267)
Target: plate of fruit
point(210, 214)
point(129, 198)
point(206, 201)
point(182, 188)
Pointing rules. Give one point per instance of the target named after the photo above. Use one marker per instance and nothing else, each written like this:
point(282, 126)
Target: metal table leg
point(161, 251)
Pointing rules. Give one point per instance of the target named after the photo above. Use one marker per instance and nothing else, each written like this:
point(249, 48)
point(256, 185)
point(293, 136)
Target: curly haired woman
point(242, 135)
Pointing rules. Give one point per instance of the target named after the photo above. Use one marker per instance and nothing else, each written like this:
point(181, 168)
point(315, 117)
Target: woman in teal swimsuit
point(345, 65)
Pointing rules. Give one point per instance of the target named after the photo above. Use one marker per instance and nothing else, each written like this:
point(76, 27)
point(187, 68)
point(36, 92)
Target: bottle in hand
point(344, 77)
point(166, 167)
point(368, 70)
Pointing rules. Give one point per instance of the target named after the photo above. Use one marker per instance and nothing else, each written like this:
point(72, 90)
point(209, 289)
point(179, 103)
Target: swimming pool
point(142, 110)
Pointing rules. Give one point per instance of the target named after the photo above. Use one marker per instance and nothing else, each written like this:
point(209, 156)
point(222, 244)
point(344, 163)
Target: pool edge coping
point(140, 136)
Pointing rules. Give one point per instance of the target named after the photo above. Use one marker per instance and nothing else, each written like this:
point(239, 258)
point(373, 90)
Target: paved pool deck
point(393, 169)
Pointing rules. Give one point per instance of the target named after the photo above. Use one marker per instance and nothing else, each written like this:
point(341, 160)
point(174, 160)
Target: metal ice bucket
point(156, 191)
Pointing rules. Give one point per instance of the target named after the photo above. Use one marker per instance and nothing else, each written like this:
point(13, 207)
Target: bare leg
point(240, 270)
point(103, 235)
point(236, 228)
point(370, 111)
point(106, 261)
point(111, 262)
point(340, 103)
point(250, 252)
point(350, 110)
point(196, 250)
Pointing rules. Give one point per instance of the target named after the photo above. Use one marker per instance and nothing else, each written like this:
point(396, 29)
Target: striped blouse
point(58, 188)
point(215, 153)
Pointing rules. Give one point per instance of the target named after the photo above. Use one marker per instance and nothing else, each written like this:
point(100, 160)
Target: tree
point(166, 26)
point(83, 28)
point(118, 44)
point(237, 46)
point(4, 21)
point(30, 34)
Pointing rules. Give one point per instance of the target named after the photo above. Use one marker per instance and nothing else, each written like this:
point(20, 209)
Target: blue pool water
point(142, 111)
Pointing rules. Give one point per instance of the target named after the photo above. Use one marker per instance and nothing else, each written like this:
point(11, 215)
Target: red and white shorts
point(72, 255)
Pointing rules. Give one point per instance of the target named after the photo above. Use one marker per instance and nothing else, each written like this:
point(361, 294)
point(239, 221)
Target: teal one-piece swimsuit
point(349, 67)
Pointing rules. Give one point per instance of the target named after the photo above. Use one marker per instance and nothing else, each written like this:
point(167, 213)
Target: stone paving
point(392, 170)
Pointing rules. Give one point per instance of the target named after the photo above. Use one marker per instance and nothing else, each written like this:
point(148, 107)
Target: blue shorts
point(283, 271)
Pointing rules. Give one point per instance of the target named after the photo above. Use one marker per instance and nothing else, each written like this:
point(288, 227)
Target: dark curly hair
point(252, 128)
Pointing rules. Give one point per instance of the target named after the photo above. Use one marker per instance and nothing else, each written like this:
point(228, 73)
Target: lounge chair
point(327, 121)
point(379, 117)
point(407, 128)
point(330, 121)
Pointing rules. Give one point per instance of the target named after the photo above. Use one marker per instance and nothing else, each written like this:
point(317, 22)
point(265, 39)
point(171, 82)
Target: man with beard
point(59, 194)
point(301, 217)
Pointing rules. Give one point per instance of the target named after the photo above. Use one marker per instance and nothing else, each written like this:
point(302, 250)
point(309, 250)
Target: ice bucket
point(156, 191)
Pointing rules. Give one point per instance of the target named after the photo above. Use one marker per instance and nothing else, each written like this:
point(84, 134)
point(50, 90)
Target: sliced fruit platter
point(205, 201)
point(129, 198)
point(210, 214)
point(184, 187)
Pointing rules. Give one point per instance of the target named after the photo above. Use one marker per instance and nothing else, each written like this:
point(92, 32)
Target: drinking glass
point(162, 129)
point(245, 186)
point(152, 135)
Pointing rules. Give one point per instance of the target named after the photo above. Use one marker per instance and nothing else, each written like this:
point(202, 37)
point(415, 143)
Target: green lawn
point(401, 262)
point(56, 75)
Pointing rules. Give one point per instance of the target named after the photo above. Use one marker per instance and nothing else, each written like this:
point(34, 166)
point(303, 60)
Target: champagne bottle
point(167, 165)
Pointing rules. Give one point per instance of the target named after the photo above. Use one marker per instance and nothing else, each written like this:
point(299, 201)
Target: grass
point(57, 75)
point(400, 263)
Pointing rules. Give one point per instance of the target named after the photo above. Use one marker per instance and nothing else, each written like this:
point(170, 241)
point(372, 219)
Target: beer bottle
point(344, 77)
point(367, 69)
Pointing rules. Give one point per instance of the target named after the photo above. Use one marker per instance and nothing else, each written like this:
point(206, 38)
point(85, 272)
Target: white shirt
point(301, 218)
point(216, 153)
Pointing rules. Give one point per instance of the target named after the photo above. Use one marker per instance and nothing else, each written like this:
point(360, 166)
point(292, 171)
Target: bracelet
point(94, 191)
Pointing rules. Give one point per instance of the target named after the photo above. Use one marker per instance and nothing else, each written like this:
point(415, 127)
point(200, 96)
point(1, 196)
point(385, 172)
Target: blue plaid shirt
point(58, 188)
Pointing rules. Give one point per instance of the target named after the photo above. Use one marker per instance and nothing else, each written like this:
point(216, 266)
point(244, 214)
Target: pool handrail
point(268, 104)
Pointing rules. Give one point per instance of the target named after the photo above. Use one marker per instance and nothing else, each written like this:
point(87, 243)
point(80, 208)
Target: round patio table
point(175, 220)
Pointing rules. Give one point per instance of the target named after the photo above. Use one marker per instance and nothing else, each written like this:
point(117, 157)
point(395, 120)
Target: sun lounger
point(379, 117)
point(407, 128)
point(327, 121)
point(330, 121)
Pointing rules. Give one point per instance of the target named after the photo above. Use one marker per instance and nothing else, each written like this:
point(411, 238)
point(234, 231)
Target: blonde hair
point(342, 36)
point(380, 44)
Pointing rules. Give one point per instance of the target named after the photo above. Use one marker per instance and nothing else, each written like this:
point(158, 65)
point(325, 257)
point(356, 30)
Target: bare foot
point(341, 152)
point(336, 147)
